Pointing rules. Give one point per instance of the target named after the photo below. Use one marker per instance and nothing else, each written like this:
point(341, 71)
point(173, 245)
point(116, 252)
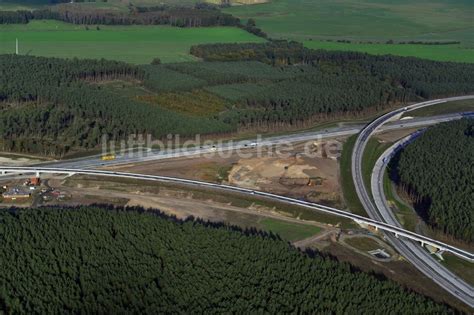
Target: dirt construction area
point(315, 179)
point(296, 175)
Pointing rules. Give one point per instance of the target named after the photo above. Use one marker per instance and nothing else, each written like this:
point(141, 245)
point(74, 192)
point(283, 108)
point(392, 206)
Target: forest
point(324, 82)
point(437, 171)
point(100, 259)
point(50, 106)
point(200, 15)
point(197, 16)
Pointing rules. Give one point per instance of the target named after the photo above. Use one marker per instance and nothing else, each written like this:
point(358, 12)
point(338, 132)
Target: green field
point(363, 243)
point(460, 267)
point(121, 5)
point(289, 231)
point(456, 52)
point(11, 6)
point(364, 19)
point(406, 215)
point(134, 44)
point(311, 22)
point(373, 150)
point(353, 203)
point(370, 20)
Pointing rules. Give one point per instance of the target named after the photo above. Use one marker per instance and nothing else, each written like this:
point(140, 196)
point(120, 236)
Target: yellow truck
point(108, 157)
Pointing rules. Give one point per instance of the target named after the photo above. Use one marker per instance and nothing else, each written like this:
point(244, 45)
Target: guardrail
point(399, 232)
point(416, 255)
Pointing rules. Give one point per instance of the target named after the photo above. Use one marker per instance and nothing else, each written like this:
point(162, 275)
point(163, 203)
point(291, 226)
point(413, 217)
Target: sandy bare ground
point(200, 168)
point(313, 178)
point(18, 161)
point(329, 234)
point(195, 167)
point(186, 206)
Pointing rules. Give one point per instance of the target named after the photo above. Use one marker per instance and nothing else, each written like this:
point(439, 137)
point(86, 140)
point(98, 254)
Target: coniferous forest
point(437, 169)
point(50, 106)
point(107, 260)
point(102, 259)
point(200, 15)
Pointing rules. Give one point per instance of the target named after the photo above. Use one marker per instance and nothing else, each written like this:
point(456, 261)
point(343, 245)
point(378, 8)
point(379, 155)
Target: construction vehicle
point(108, 157)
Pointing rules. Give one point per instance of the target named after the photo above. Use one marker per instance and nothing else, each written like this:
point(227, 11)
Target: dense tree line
point(49, 107)
point(437, 170)
point(424, 78)
point(201, 15)
point(273, 52)
point(25, 16)
point(449, 42)
point(106, 260)
point(252, 28)
point(25, 78)
point(162, 15)
point(273, 97)
point(331, 82)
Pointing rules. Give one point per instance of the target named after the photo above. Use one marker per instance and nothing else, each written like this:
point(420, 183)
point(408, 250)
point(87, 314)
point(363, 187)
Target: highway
point(151, 155)
point(412, 251)
point(415, 253)
point(380, 200)
point(341, 213)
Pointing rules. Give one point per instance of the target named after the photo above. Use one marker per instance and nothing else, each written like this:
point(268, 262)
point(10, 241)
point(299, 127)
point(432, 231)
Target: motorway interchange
point(91, 162)
point(380, 211)
point(380, 215)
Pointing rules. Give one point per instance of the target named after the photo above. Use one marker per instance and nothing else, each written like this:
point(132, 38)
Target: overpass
point(155, 155)
point(396, 230)
point(416, 254)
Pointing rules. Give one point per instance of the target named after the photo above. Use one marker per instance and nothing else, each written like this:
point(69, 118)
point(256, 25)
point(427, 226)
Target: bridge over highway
point(416, 254)
point(403, 240)
point(396, 230)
